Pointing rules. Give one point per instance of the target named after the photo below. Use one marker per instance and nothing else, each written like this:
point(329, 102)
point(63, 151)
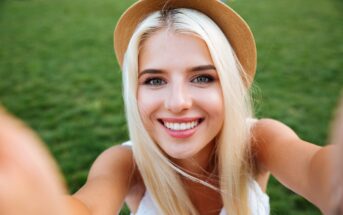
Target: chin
point(179, 156)
point(179, 153)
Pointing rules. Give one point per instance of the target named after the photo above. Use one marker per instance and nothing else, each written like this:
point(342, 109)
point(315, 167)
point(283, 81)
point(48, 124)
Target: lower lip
point(181, 133)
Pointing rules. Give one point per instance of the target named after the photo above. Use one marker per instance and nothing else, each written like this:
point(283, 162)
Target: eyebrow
point(193, 69)
point(150, 71)
point(202, 68)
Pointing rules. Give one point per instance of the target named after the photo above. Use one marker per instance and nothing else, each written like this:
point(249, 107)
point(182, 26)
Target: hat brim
point(233, 26)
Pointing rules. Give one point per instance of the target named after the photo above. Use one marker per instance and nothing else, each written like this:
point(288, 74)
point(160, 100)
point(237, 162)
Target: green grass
point(59, 74)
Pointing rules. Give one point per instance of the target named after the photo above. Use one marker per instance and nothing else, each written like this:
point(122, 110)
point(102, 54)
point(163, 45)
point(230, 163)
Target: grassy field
point(59, 74)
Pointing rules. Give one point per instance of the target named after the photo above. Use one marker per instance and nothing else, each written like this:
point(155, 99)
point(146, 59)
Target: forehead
point(173, 50)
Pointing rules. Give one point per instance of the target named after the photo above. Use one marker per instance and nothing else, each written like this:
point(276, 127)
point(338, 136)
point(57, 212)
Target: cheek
point(143, 104)
point(217, 103)
point(212, 102)
point(217, 110)
point(147, 103)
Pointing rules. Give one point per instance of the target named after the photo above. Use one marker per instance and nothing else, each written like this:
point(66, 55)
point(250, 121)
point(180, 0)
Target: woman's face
point(179, 94)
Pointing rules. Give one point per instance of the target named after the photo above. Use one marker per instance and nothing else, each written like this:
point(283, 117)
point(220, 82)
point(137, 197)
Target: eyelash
point(152, 81)
point(203, 79)
point(156, 81)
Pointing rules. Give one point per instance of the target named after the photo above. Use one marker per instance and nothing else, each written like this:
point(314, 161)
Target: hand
point(29, 180)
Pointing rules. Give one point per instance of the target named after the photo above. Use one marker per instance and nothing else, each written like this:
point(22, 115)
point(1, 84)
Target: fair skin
point(179, 90)
point(174, 90)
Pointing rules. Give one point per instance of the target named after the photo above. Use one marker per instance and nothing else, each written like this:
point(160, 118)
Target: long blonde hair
point(161, 177)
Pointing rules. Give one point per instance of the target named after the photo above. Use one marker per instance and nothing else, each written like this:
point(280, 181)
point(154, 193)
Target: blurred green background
point(59, 74)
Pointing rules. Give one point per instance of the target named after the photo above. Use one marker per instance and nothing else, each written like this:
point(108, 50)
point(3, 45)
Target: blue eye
point(154, 82)
point(203, 79)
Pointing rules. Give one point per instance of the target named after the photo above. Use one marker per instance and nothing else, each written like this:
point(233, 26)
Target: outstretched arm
point(109, 181)
point(29, 180)
point(31, 184)
point(303, 167)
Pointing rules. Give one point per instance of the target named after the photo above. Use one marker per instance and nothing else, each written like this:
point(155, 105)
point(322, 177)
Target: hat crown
point(233, 26)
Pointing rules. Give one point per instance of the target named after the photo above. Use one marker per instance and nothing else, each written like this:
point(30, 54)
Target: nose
point(178, 99)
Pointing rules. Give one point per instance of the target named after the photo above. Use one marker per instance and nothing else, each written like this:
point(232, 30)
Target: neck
point(202, 165)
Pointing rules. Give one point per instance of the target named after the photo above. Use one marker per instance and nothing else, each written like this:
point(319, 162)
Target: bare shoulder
point(113, 161)
point(267, 129)
point(272, 139)
point(268, 136)
point(278, 149)
point(111, 177)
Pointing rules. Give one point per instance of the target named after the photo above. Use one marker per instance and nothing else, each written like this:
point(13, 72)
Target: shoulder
point(271, 138)
point(111, 176)
point(278, 149)
point(115, 157)
point(271, 129)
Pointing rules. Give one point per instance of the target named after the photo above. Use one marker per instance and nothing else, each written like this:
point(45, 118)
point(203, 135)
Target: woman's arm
point(31, 184)
point(303, 167)
point(109, 181)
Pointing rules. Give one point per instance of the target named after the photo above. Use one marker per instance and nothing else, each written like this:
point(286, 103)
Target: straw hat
point(234, 27)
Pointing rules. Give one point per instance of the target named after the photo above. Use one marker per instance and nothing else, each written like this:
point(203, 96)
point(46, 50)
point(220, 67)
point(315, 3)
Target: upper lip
point(180, 120)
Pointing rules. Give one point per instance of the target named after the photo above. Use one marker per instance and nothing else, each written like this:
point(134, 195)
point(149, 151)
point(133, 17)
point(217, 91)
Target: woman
point(194, 147)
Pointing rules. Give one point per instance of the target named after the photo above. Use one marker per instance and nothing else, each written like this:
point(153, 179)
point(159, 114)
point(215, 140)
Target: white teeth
point(180, 126)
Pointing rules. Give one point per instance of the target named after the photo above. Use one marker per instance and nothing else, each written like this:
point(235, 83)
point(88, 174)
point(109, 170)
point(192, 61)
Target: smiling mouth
point(180, 126)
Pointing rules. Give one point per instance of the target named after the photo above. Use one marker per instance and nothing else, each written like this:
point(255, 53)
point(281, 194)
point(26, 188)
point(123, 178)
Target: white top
point(258, 203)
point(258, 200)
